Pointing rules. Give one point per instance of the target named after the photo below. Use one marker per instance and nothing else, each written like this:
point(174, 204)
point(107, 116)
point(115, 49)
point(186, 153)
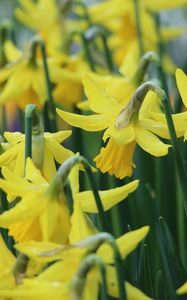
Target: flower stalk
point(60, 179)
point(79, 281)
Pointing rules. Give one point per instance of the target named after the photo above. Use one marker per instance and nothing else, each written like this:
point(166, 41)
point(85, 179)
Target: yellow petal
point(81, 225)
point(22, 77)
point(89, 123)
point(158, 128)
point(120, 135)
point(126, 243)
point(181, 79)
point(59, 153)
point(33, 174)
point(49, 167)
point(132, 292)
point(14, 137)
point(7, 259)
point(109, 198)
point(11, 51)
point(29, 207)
point(59, 136)
point(183, 289)
point(150, 143)
point(99, 103)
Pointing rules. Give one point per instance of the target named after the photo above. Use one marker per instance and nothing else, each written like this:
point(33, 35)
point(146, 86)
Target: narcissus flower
point(126, 124)
point(23, 77)
point(45, 153)
point(69, 89)
point(119, 16)
point(70, 263)
point(32, 13)
point(42, 212)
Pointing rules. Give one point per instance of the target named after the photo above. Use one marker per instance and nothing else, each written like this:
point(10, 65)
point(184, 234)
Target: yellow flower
point(51, 151)
point(32, 13)
point(23, 77)
point(125, 126)
point(69, 88)
point(65, 269)
point(42, 212)
point(119, 17)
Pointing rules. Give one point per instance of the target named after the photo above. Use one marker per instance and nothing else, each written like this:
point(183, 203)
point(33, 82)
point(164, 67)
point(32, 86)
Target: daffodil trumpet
point(79, 280)
point(62, 175)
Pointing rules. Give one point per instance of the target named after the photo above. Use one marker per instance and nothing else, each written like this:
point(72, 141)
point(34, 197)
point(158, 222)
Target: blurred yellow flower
point(119, 17)
point(23, 77)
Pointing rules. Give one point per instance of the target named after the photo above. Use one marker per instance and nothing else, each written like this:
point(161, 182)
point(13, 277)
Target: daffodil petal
point(81, 225)
point(183, 289)
point(109, 198)
point(89, 123)
point(59, 153)
point(150, 143)
point(181, 79)
point(99, 103)
point(132, 292)
point(126, 243)
point(120, 135)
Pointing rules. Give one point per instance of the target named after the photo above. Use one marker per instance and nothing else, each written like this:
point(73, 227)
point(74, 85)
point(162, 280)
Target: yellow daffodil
point(25, 70)
point(32, 217)
point(50, 151)
point(32, 13)
point(126, 243)
point(119, 17)
point(69, 88)
point(179, 119)
point(42, 212)
point(125, 126)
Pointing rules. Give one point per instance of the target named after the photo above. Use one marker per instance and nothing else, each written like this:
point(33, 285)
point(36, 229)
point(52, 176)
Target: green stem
point(108, 54)
point(28, 130)
point(119, 271)
point(79, 280)
point(88, 52)
point(94, 242)
point(176, 151)
point(50, 103)
point(138, 26)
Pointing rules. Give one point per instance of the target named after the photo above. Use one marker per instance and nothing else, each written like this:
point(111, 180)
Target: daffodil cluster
point(76, 207)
